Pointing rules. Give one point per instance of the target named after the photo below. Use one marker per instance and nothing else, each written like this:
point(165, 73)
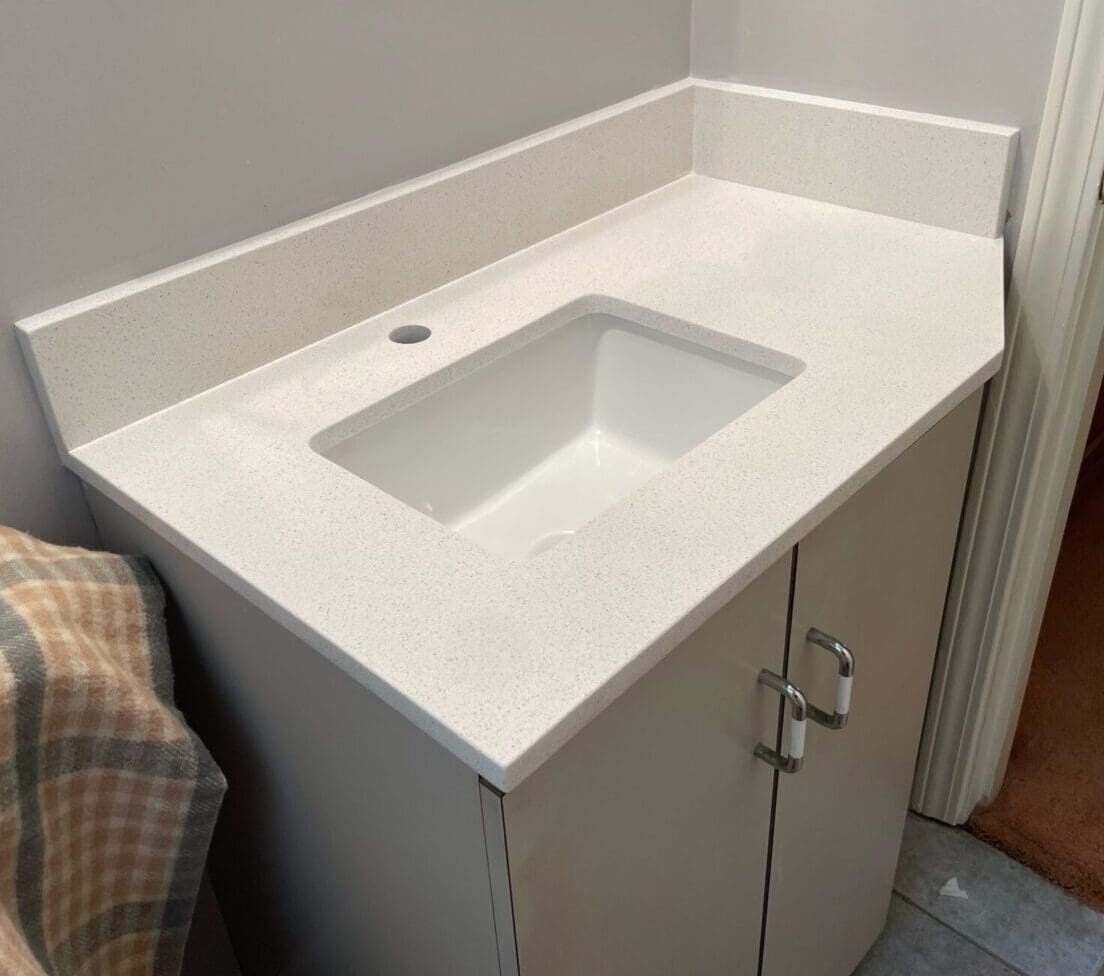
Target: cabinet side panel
point(873, 575)
point(498, 868)
point(349, 841)
point(640, 848)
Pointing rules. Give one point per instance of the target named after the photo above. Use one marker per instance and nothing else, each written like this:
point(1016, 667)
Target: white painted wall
point(987, 60)
point(137, 135)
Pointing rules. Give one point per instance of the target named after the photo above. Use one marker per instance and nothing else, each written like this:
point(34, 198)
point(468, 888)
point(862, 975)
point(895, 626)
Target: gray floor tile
point(915, 944)
point(1009, 910)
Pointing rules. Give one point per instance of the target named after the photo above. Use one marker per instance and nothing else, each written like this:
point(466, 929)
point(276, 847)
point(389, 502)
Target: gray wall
point(137, 135)
point(987, 60)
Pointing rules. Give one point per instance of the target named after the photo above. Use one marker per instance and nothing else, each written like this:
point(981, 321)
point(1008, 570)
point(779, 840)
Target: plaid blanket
point(107, 800)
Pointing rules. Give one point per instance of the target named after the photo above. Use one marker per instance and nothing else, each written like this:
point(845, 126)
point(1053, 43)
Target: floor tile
point(915, 944)
point(1007, 909)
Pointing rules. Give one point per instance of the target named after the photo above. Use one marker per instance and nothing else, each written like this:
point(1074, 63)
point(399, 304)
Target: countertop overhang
point(501, 661)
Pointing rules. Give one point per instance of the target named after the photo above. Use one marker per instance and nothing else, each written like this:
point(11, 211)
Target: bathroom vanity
point(570, 607)
point(655, 841)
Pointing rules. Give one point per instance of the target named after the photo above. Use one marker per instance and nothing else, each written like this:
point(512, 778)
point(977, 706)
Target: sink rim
point(458, 369)
point(451, 496)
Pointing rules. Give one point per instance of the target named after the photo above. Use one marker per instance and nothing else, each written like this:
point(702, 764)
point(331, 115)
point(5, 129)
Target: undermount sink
point(520, 453)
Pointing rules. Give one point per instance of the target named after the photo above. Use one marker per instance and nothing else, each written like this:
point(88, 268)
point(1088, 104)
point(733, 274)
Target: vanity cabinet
point(654, 842)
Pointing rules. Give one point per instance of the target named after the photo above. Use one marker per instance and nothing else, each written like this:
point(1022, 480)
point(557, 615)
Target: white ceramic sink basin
point(520, 453)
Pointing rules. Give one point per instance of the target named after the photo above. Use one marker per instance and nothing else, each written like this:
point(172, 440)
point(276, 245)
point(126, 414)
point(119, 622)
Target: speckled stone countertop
point(502, 661)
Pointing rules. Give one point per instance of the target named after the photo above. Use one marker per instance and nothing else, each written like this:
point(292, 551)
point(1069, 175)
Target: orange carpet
point(1050, 812)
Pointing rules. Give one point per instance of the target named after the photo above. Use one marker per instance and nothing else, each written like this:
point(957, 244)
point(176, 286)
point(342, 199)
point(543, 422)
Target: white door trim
point(1030, 442)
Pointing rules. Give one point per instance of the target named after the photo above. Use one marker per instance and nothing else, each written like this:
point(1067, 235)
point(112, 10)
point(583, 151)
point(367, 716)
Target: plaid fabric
point(107, 800)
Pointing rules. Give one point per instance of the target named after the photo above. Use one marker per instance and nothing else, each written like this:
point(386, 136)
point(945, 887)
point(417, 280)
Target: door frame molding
point(1030, 442)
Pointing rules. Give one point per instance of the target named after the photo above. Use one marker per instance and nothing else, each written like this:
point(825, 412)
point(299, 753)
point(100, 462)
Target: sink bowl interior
point(520, 453)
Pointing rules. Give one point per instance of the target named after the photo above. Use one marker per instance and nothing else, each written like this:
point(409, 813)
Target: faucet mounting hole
point(406, 334)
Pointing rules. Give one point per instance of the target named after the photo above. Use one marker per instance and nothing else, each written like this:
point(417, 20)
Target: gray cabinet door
point(641, 847)
point(873, 575)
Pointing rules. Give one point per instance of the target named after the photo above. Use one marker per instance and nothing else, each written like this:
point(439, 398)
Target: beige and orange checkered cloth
point(107, 800)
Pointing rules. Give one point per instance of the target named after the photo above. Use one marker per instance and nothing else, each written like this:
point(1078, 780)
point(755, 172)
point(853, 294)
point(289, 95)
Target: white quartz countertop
point(502, 661)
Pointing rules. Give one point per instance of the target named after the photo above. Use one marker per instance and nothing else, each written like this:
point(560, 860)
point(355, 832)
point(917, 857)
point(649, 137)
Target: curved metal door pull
point(799, 707)
point(838, 718)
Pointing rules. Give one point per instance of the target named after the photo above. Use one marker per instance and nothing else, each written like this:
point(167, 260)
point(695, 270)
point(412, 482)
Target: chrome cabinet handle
point(799, 707)
point(843, 655)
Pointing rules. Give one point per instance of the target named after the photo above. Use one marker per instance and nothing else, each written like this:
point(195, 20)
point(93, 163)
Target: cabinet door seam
point(778, 747)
